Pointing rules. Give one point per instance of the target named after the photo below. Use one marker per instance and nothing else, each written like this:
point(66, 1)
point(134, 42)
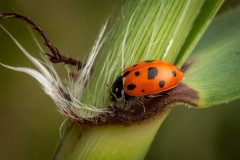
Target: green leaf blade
point(207, 13)
point(215, 69)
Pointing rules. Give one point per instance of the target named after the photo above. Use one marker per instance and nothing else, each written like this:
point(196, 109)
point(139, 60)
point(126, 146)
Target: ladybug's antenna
point(55, 57)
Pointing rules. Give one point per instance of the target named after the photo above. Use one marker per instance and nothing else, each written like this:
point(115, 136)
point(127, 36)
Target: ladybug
point(148, 78)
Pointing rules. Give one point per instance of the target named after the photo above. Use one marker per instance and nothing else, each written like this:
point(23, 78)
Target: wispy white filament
point(47, 76)
point(32, 59)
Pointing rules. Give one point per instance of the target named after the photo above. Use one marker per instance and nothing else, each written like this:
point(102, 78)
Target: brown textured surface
point(181, 95)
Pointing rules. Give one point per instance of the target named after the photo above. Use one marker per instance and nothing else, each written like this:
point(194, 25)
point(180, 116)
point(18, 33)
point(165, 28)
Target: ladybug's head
point(117, 92)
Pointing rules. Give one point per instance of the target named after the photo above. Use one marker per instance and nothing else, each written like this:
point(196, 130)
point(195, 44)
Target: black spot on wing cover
point(161, 83)
point(131, 86)
point(152, 72)
point(126, 73)
point(137, 73)
point(174, 73)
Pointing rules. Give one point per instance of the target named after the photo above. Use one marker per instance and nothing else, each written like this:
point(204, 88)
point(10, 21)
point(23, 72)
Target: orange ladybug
point(147, 78)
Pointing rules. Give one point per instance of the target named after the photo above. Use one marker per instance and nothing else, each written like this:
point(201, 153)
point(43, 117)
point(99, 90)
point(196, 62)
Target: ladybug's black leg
point(140, 103)
point(55, 56)
point(127, 98)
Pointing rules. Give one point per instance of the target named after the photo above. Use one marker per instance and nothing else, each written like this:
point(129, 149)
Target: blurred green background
point(29, 121)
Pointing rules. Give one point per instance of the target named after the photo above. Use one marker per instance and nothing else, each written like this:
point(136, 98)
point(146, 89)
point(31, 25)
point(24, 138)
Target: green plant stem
point(128, 141)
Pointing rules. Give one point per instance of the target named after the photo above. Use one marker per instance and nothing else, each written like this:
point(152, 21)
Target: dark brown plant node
point(181, 95)
point(55, 56)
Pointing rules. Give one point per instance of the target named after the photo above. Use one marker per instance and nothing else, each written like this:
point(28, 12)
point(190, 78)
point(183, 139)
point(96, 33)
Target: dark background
point(29, 120)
